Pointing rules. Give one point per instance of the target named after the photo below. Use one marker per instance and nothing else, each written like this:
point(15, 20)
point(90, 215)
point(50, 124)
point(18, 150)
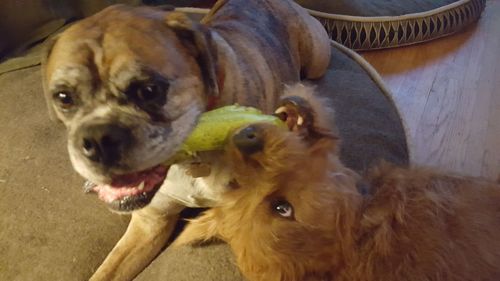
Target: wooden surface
point(448, 92)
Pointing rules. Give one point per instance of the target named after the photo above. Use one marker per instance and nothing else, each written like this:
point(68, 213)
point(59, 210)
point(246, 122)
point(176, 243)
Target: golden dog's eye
point(283, 208)
point(64, 99)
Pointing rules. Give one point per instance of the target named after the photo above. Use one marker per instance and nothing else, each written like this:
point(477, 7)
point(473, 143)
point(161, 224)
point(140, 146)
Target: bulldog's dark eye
point(148, 95)
point(148, 92)
point(64, 99)
point(282, 208)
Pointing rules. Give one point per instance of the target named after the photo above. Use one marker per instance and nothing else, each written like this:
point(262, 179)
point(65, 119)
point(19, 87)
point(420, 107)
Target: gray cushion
point(376, 24)
point(374, 8)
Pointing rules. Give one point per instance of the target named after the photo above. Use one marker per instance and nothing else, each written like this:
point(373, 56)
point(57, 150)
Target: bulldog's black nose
point(249, 140)
point(105, 143)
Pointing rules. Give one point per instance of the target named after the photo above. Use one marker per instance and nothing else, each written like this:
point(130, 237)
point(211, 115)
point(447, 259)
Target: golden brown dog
point(299, 214)
point(130, 83)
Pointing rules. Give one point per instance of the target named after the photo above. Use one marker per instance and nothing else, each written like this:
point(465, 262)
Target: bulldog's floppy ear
point(198, 39)
point(49, 44)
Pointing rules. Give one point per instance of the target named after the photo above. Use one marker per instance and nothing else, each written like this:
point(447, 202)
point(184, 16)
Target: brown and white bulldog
point(130, 83)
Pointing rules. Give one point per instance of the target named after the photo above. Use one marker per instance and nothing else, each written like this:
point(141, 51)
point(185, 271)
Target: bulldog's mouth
point(131, 191)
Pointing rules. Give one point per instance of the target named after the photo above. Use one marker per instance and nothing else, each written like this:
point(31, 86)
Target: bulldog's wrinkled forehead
point(116, 45)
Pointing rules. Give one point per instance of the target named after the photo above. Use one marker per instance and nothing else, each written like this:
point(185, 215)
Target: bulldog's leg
point(314, 45)
point(147, 233)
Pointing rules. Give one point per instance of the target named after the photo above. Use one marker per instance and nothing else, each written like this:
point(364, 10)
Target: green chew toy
point(214, 126)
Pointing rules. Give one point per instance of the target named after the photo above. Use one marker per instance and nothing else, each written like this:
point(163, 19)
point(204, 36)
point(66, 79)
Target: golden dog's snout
point(249, 140)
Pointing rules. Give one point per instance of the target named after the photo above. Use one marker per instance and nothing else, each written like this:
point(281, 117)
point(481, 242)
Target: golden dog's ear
point(307, 114)
point(49, 45)
point(198, 39)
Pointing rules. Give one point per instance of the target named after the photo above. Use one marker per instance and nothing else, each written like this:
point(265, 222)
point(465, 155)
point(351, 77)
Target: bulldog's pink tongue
point(131, 184)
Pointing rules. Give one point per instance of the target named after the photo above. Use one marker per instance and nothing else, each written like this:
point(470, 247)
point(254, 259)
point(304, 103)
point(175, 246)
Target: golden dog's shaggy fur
point(392, 224)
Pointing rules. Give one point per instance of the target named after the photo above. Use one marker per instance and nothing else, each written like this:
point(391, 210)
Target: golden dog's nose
point(249, 139)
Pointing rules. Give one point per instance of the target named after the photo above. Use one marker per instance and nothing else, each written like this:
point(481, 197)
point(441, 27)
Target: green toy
point(214, 126)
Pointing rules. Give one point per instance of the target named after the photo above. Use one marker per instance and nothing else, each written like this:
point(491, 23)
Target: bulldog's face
point(128, 86)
